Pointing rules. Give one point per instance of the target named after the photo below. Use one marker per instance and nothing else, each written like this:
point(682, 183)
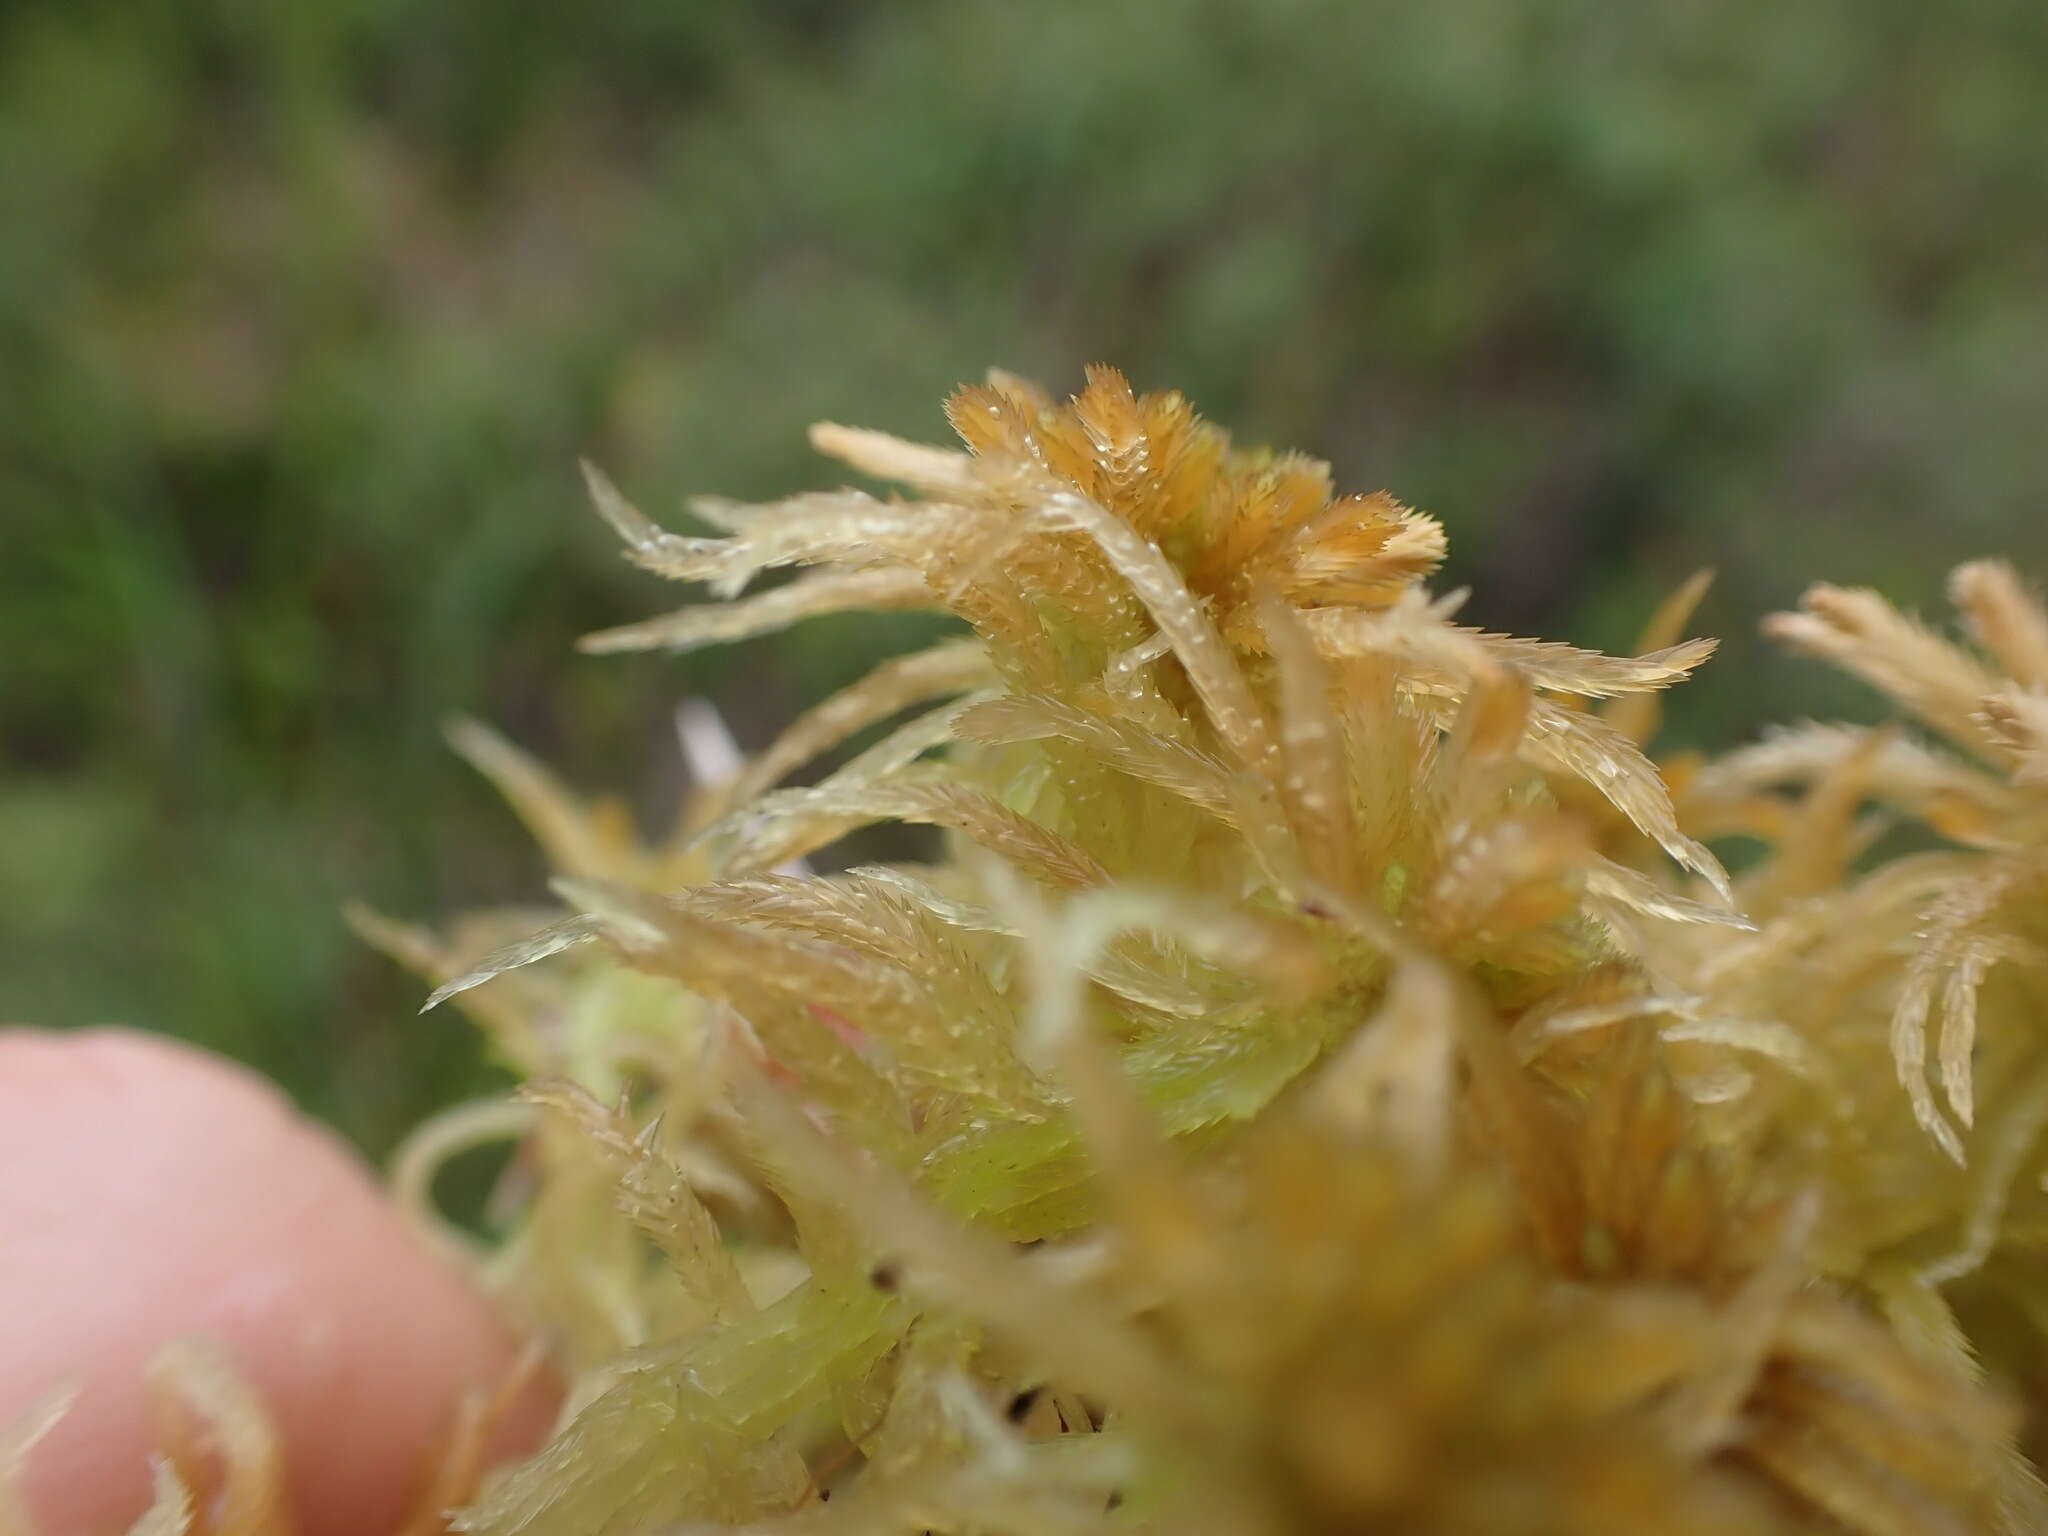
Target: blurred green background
point(307, 310)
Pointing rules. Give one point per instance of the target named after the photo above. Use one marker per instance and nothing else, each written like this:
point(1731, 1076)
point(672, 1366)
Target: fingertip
point(150, 1191)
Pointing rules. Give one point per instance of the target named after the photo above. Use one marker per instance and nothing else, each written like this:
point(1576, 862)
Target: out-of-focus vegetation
point(306, 311)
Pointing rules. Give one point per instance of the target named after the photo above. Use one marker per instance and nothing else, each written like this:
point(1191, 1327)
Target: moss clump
point(1327, 1084)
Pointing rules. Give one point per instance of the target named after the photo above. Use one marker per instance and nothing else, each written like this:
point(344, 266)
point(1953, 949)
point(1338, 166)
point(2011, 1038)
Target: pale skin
point(150, 1192)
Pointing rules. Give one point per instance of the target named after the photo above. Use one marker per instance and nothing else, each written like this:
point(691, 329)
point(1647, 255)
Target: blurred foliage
point(307, 310)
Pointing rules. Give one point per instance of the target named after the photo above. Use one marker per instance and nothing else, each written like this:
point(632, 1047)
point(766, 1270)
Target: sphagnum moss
point(1328, 1084)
